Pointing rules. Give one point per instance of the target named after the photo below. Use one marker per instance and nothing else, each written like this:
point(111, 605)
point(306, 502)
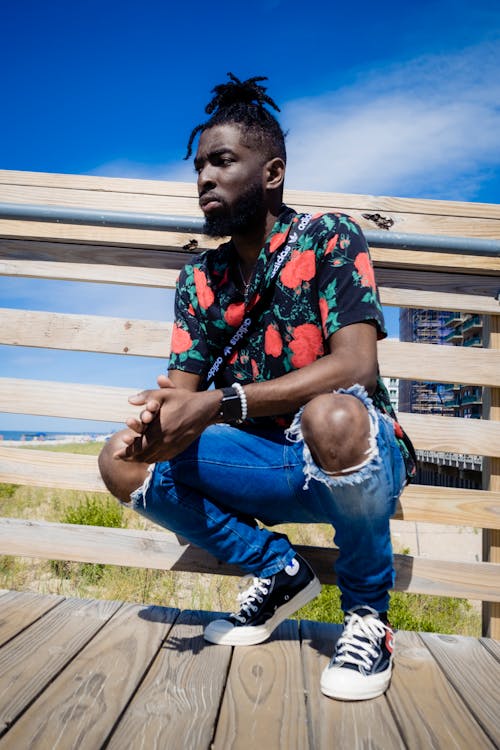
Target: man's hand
point(172, 418)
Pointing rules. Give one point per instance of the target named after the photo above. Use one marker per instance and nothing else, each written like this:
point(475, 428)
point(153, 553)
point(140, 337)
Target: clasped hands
point(171, 418)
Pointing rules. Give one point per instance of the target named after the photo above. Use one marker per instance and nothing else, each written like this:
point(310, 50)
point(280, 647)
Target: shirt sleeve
point(188, 351)
point(346, 280)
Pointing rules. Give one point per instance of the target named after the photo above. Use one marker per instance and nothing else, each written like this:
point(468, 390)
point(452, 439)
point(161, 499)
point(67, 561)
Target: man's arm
point(177, 413)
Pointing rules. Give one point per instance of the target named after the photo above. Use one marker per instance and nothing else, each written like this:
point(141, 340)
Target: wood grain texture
point(460, 507)
point(491, 645)
point(148, 549)
point(110, 404)
point(474, 674)
point(80, 707)
point(177, 704)
point(114, 263)
point(85, 333)
point(188, 189)
point(150, 338)
point(29, 662)
point(20, 610)
point(341, 724)
point(264, 701)
point(414, 297)
point(429, 712)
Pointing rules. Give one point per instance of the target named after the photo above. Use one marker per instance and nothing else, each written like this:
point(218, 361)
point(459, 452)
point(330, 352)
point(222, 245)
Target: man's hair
point(242, 103)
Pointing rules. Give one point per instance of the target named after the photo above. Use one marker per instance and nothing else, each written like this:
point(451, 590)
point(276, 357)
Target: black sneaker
point(361, 665)
point(266, 603)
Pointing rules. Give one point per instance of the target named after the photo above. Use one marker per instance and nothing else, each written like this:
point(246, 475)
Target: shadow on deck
point(92, 674)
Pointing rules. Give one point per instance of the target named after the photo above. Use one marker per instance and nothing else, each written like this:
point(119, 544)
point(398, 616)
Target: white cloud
point(427, 127)
point(430, 127)
point(181, 171)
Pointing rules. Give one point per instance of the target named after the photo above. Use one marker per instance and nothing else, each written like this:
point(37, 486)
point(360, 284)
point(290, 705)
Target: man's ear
point(274, 173)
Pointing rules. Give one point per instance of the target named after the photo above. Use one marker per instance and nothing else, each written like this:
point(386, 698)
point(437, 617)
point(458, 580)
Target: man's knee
point(336, 428)
point(120, 477)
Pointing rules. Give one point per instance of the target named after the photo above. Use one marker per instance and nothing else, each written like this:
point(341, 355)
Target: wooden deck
point(91, 674)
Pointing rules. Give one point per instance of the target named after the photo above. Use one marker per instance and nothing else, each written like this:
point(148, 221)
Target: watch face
point(230, 408)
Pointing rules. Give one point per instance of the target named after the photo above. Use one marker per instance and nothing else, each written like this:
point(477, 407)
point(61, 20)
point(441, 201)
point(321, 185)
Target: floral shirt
point(326, 282)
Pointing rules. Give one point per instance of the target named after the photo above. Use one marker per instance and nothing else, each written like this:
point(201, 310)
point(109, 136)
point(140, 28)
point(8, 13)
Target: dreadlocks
point(242, 103)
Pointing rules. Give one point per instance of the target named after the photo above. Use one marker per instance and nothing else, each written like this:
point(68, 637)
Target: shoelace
point(250, 595)
point(359, 643)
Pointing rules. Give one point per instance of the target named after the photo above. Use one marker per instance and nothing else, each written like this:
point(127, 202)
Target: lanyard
point(251, 316)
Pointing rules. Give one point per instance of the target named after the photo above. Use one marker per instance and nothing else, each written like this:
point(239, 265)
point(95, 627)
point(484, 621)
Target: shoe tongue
point(363, 611)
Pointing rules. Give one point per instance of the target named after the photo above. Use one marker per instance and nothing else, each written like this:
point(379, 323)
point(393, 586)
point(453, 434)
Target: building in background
point(447, 399)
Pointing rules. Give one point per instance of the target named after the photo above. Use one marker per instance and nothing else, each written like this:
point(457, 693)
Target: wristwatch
point(230, 406)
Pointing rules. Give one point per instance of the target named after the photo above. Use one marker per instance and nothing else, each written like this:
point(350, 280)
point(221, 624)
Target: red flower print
point(307, 345)
point(203, 291)
point(301, 267)
point(277, 240)
point(234, 313)
point(181, 340)
point(364, 267)
point(398, 430)
point(191, 309)
point(273, 344)
point(255, 369)
point(323, 309)
point(253, 301)
point(331, 245)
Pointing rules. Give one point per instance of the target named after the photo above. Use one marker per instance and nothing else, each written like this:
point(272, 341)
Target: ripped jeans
point(212, 493)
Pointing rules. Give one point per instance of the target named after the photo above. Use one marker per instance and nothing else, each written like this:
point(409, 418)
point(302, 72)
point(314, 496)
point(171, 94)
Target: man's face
point(230, 182)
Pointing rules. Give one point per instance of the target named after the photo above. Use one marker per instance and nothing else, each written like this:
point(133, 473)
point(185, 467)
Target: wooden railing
point(150, 258)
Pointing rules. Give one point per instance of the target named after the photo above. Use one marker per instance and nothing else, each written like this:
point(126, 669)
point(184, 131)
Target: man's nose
point(206, 177)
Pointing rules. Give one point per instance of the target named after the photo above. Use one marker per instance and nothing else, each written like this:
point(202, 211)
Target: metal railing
point(186, 224)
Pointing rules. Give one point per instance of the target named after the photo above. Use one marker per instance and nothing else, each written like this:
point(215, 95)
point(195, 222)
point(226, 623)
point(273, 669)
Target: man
point(298, 427)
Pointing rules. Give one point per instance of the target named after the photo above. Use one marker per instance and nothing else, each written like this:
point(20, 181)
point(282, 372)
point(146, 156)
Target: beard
point(240, 218)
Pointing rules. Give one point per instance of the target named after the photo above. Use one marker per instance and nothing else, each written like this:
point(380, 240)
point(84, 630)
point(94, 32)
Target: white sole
point(348, 685)
point(216, 631)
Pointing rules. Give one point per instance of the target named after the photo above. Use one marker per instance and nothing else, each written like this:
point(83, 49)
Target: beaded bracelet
point(243, 399)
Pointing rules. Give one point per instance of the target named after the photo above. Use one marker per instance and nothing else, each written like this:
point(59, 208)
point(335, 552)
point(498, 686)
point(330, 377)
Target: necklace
point(246, 284)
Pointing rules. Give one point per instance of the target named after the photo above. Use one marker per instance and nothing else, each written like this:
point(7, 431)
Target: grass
point(185, 590)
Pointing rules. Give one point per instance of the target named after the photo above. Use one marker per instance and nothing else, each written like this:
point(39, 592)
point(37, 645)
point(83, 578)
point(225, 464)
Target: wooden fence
point(151, 258)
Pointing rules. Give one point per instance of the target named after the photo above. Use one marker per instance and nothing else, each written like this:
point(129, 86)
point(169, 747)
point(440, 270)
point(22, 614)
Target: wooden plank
point(264, 701)
point(445, 364)
point(148, 238)
point(110, 404)
point(46, 469)
point(492, 646)
point(84, 701)
point(454, 434)
point(474, 674)
point(164, 197)
point(30, 662)
point(177, 704)
point(382, 203)
point(450, 505)
point(429, 712)
point(161, 550)
point(341, 724)
point(85, 333)
point(416, 298)
point(18, 611)
point(109, 274)
point(452, 281)
point(178, 205)
point(460, 507)
point(491, 480)
point(96, 262)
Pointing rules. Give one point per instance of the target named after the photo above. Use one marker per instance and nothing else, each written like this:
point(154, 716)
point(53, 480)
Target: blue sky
point(387, 98)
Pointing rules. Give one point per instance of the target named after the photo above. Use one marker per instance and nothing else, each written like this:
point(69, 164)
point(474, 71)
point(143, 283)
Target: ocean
point(38, 437)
